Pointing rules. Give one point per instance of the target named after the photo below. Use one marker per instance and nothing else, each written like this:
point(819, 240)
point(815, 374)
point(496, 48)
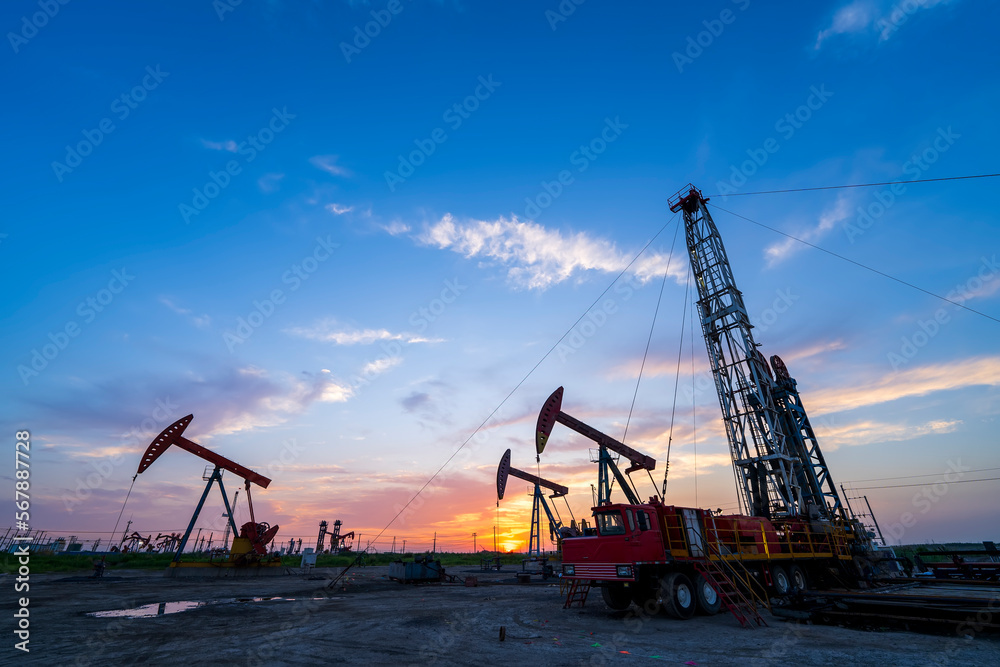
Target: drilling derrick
point(819, 491)
point(773, 481)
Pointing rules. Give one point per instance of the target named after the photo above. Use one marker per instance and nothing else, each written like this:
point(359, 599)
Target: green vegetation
point(84, 563)
point(447, 559)
point(77, 562)
point(925, 550)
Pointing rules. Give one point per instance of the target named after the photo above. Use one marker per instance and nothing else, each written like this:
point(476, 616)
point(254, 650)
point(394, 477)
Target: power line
point(900, 486)
point(930, 474)
point(652, 327)
point(525, 378)
point(854, 185)
point(863, 266)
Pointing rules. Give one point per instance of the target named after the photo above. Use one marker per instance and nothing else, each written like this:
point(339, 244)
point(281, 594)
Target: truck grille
point(595, 571)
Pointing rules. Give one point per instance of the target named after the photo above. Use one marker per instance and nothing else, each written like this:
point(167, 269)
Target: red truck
point(685, 559)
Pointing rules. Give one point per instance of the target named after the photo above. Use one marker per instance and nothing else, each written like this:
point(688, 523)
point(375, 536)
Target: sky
point(362, 242)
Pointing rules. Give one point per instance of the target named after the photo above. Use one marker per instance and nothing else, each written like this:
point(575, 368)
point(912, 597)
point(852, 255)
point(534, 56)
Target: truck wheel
point(616, 596)
point(797, 577)
point(709, 600)
point(677, 596)
point(779, 579)
point(646, 598)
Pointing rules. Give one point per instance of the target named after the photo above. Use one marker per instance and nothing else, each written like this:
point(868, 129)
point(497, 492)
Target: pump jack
point(552, 413)
point(538, 503)
point(340, 543)
point(253, 537)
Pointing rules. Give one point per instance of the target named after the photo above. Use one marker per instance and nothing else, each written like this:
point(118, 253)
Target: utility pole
point(473, 543)
point(874, 520)
point(435, 548)
point(404, 548)
point(127, 526)
point(393, 544)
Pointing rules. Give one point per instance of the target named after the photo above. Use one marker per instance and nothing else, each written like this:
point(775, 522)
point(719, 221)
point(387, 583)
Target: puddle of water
point(149, 610)
point(164, 608)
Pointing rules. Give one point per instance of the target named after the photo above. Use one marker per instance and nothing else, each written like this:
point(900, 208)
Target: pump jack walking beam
point(172, 436)
point(552, 413)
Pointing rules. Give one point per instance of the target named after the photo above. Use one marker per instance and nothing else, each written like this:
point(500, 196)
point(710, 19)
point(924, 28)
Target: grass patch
point(447, 559)
point(84, 563)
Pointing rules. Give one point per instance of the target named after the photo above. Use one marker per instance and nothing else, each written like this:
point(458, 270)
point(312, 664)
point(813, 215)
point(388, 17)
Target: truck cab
point(627, 535)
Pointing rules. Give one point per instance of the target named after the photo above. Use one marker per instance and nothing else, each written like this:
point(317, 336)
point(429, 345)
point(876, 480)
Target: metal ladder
point(737, 603)
point(578, 591)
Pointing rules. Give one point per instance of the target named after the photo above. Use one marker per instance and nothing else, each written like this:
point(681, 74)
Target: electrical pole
point(473, 543)
point(393, 544)
point(435, 547)
point(403, 552)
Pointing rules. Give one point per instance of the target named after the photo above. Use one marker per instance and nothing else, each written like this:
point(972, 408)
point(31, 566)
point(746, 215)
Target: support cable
point(123, 508)
point(855, 185)
point(649, 339)
point(900, 486)
point(694, 411)
point(677, 379)
point(863, 266)
point(516, 387)
point(645, 355)
point(930, 474)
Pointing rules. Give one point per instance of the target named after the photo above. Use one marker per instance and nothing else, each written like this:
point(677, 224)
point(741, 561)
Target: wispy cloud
point(900, 13)
point(415, 400)
point(224, 399)
point(228, 145)
point(200, 321)
point(328, 163)
point(292, 395)
point(537, 257)
point(882, 17)
point(851, 18)
point(268, 183)
point(396, 228)
point(869, 432)
point(782, 250)
point(990, 287)
point(380, 366)
point(339, 209)
point(327, 331)
point(816, 349)
point(919, 381)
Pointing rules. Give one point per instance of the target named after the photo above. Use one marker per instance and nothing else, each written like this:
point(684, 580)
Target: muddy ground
point(377, 621)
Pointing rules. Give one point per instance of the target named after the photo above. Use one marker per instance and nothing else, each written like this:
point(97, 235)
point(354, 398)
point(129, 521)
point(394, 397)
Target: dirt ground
point(378, 621)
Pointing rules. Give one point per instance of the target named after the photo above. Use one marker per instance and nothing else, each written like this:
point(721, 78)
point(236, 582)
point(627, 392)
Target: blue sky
point(341, 251)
